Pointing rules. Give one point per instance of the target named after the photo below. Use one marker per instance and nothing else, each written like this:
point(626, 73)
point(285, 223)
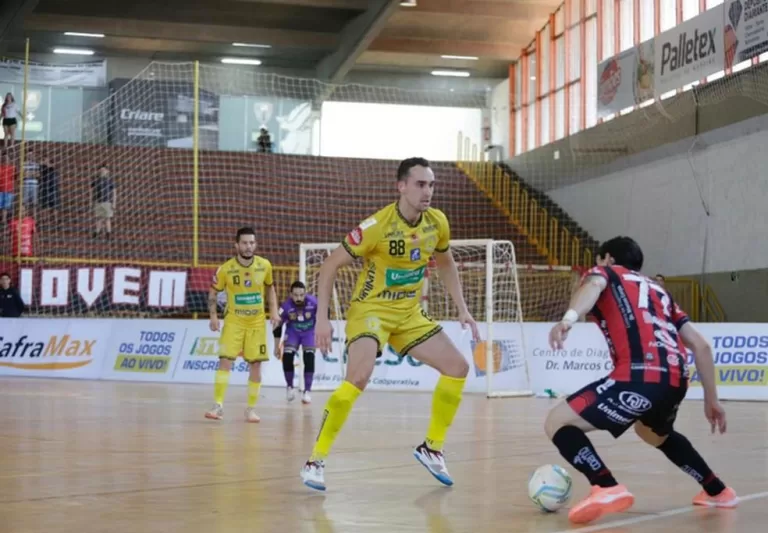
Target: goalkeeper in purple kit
point(298, 313)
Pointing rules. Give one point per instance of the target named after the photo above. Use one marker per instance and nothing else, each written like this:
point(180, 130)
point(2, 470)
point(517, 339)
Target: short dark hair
point(407, 164)
point(5, 274)
point(247, 230)
point(660, 276)
point(625, 251)
point(297, 285)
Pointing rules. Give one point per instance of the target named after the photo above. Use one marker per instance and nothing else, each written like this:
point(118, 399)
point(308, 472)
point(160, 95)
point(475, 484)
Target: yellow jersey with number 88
point(395, 255)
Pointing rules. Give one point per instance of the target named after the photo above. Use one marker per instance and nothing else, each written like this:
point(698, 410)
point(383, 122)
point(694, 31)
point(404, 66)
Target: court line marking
point(656, 516)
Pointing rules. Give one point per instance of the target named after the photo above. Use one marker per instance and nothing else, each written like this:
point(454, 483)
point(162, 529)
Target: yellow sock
point(253, 392)
point(445, 403)
point(220, 384)
point(336, 411)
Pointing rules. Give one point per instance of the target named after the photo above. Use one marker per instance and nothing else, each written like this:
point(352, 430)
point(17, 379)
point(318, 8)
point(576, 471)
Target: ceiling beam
point(355, 38)
point(484, 8)
point(149, 29)
point(437, 47)
point(330, 4)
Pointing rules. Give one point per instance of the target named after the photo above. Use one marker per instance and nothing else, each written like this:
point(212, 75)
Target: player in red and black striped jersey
point(647, 334)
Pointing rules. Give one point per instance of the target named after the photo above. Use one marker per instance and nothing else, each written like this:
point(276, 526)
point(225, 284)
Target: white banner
point(67, 348)
point(186, 351)
point(626, 79)
point(690, 52)
point(144, 350)
point(746, 30)
point(92, 74)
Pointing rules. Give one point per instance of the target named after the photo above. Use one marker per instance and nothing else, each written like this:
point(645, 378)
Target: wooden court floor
point(108, 457)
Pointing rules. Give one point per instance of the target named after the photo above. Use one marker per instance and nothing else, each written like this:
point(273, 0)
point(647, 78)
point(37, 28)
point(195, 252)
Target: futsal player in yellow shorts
point(395, 244)
point(247, 280)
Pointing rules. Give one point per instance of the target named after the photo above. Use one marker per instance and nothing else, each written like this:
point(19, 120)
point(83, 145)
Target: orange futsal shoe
point(726, 499)
point(601, 501)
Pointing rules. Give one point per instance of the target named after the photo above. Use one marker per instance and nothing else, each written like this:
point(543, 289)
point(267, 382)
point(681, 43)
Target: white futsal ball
point(550, 487)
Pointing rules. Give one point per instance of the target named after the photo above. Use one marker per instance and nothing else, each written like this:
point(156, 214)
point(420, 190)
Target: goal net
point(498, 293)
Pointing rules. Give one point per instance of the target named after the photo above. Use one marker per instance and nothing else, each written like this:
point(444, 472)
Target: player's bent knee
point(560, 416)
point(648, 435)
point(361, 360)
point(225, 364)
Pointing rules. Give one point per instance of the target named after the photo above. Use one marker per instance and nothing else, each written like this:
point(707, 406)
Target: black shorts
point(614, 406)
point(9, 122)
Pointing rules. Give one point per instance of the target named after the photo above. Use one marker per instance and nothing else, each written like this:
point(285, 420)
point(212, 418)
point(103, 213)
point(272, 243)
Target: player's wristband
point(570, 317)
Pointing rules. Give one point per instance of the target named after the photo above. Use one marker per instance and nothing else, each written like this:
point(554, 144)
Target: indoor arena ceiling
point(328, 37)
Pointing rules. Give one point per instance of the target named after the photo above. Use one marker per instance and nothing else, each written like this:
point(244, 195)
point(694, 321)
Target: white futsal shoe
point(216, 412)
point(251, 416)
point(290, 394)
point(434, 461)
point(312, 474)
point(306, 398)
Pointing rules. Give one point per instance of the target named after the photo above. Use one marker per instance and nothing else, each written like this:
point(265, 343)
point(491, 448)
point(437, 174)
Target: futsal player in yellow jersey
point(396, 244)
point(247, 280)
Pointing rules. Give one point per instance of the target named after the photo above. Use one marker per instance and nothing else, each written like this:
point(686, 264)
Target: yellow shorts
point(248, 342)
point(401, 329)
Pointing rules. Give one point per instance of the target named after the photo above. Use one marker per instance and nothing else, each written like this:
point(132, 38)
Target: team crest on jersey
point(248, 282)
point(291, 316)
point(415, 254)
point(308, 315)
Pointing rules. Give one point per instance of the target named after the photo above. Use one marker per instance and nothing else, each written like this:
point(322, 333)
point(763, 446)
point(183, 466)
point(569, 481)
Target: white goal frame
point(488, 244)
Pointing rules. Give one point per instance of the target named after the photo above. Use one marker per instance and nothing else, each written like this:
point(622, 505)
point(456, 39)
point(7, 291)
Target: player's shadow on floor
point(431, 504)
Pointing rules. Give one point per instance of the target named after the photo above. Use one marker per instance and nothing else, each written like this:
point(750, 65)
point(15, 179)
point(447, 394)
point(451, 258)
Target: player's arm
point(449, 275)
point(218, 284)
point(705, 368)
point(585, 298)
point(703, 358)
point(340, 257)
point(582, 302)
point(274, 314)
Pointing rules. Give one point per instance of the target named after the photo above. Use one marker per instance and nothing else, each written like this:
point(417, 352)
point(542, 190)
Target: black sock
point(680, 451)
point(576, 448)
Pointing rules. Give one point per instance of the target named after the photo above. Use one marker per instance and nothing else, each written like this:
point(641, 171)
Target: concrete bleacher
point(288, 199)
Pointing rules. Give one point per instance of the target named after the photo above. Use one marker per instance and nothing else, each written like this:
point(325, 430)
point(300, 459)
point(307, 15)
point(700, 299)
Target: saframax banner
point(186, 351)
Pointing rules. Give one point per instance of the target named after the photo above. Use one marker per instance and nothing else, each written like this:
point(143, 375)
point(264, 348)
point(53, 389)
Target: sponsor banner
point(626, 79)
point(199, 358)
point(745, 30)
point(144, 350)
point(187, 351)
point(92, 74)
point(70, 348)
point(740, 354)
point(78, 289)
point(690, 52)
point(161, 113)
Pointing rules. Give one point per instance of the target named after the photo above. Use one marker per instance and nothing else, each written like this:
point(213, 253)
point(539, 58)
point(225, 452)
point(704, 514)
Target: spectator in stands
point(7, 185)
point(31, 183)
point(28, 233)
point(660, 279)
point(11, 304)
point(104, 201)
point(265, 141)
point(9, 113)
point(49, 191)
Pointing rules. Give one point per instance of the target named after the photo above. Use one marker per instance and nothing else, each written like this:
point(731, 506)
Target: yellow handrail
point(532, 220)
